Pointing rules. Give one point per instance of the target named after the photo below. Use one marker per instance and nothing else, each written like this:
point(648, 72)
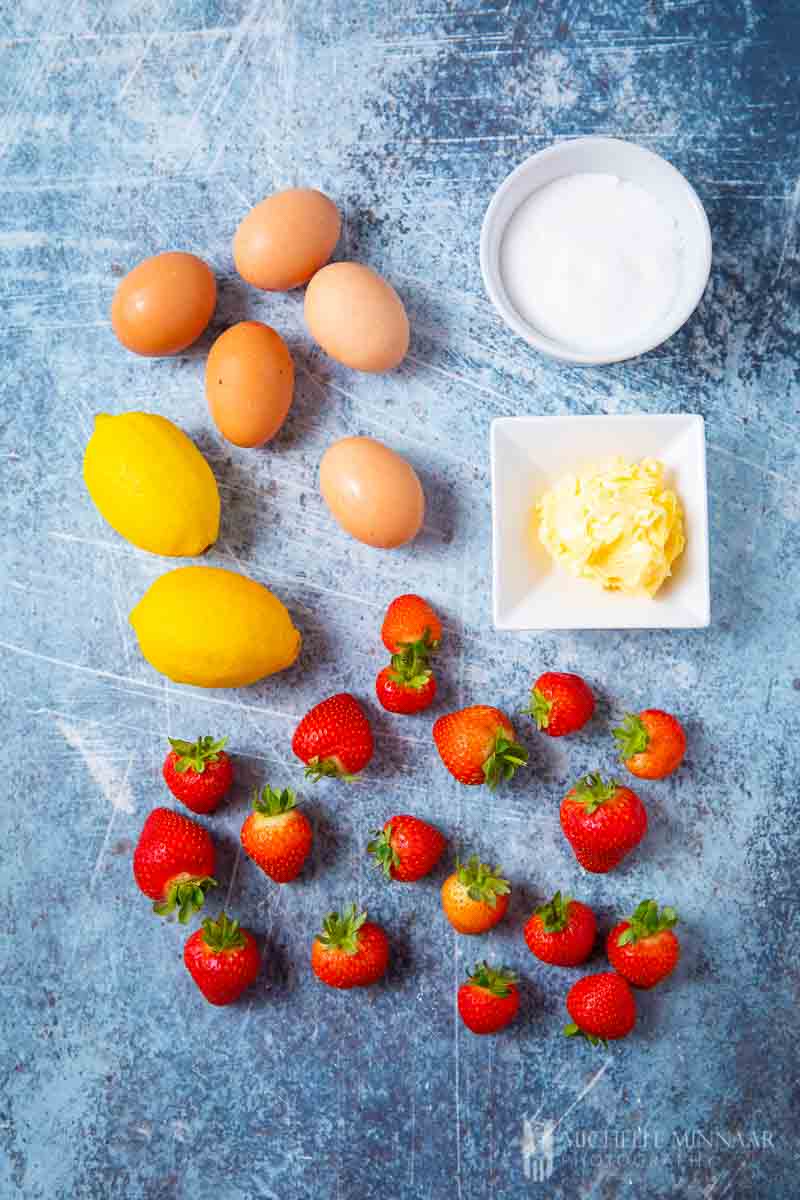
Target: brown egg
point(286, 238)
point(249, 383)
point(164, 304)
point(357, 317)
point(373, 493)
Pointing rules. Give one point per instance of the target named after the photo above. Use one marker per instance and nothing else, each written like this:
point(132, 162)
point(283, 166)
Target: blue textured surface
point(128, 128)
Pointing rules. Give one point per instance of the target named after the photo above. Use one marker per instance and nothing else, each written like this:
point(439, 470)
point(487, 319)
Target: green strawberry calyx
point(270, 803)
point(195, 755)
point(632, 736)
point(380, 847)
point(496, 980)
point(646, 921)
point(327, 768)
point(573, 1030)
point(410, 667)
point(555, 914)
point(187, 894)
point(591, 791)
point(340, 930)
point(482, 883)
point(539, 708)
point(503, 761)
point(223, 934)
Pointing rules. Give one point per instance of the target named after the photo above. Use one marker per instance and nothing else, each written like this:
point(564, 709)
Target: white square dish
point(528, 455)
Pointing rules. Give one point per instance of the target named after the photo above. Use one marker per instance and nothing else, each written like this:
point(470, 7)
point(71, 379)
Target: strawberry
point(222, 959)
point(334, 739)
point(602, 822)
point(560, 703)
point(477, 745)
point(400, 694)
point(411, 623)
point(173, 863)
point(198, 773)
point(407, 848)
point(602, 1008)
point(277, 835)
point(489, 1000)
point(651, 744)
point(644, 949)
point(561, 932)
point(351, 951)
point(475, 897)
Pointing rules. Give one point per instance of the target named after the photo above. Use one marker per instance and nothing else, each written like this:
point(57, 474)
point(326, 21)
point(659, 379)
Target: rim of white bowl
point(553, 349)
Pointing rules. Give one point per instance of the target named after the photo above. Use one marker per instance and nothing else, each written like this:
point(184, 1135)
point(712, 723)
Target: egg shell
point(373, 493)
point(286, 238)
point(357, 317)
point(164, 303)
point(249, 383)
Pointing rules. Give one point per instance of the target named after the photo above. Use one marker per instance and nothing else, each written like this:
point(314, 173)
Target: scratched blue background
point(128, 128)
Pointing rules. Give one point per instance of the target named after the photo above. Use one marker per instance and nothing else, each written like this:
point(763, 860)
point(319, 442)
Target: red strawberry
point(602, 822)
point(198, 773)
point(407, 848)
point(411, 622)
point(477, 745)
point(334, 738)
point(222, 959)
point(351, 951)
point(644, 949)
point(489, 1000)
point(400, 694)
point(276, 835)
point(173, 863)
point(602, 1008)
point(651, 744)
point(560, 703)
point(562, 932)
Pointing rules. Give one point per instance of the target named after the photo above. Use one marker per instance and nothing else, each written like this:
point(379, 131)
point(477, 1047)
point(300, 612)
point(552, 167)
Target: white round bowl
point(629, 162)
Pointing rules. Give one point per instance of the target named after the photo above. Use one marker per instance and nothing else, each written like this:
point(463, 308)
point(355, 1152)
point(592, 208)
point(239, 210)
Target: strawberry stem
point(631, 736)
point(327, 768)
point(539, 708)
point(271, 804)
point(646, 921)
point(340, 931)
point(223, 934)
point(494, 979)
point(555, 914)
point(573, 1030)
point(591, 791)
point(482, 883)
point(195, 755)
point(382, 850)
point(502, 763)
point(187, 895)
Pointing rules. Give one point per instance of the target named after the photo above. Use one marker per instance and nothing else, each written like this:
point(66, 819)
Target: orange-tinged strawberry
point(198, 773)
point(477, 745)
point(651, 744)
point(351, 951)
point(561, 932)
point(602, 1008)
point(222, 959)
point(407, 848)
point(489, 1000)
point(334, 738)
point(644, 949)
point(173, 863)
point(277, 835)
point(475, 897)
point(602, 822)
point(560, 703)
point(410, 621)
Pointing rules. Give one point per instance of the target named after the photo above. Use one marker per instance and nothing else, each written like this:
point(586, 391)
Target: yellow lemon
point(213, 628)
point(152, 484)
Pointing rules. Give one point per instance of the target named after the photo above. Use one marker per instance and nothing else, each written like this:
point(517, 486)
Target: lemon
point(213, 628)
point(152, 484)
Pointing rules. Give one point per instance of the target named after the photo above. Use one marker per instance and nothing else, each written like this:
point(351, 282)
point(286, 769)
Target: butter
point(615, 524)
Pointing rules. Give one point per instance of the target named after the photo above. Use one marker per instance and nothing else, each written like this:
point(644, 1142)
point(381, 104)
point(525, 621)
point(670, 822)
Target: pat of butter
point(615, 524)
